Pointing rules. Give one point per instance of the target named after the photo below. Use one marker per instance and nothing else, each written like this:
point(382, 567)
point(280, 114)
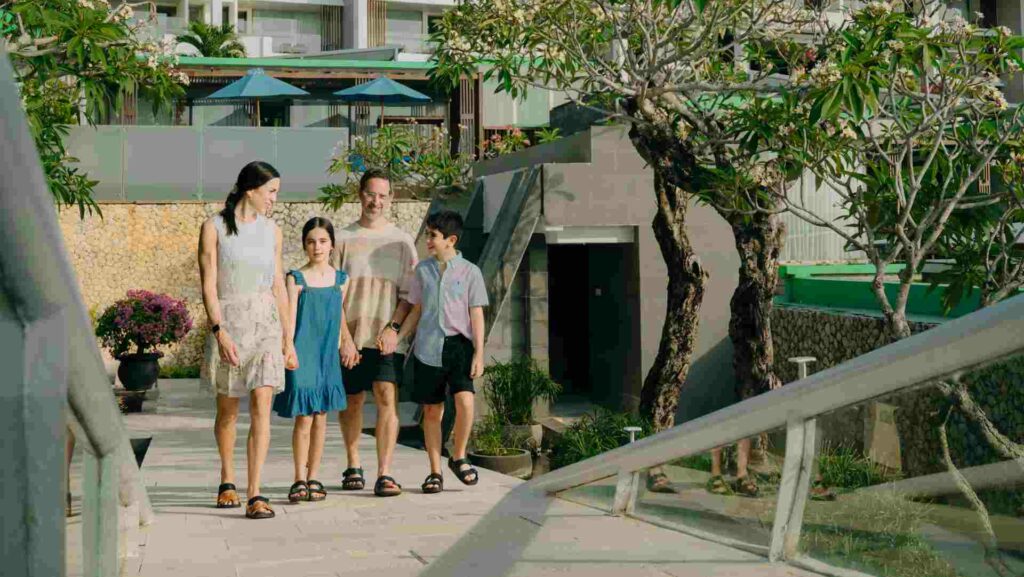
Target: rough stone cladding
point(155, 247)
point(835, 337)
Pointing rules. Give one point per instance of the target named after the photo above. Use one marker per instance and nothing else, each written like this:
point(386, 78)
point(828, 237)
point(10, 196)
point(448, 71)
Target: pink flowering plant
point(143, 320)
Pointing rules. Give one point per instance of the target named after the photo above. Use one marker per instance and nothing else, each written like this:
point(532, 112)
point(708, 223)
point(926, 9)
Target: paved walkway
point(355, 532)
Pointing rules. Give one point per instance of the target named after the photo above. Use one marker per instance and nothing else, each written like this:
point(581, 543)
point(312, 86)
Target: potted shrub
point(134, 326)
point(511, 390)
point(495, 448)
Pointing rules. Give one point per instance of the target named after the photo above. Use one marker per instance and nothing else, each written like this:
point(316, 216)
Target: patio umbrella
point(383, 90)
point(256, 85)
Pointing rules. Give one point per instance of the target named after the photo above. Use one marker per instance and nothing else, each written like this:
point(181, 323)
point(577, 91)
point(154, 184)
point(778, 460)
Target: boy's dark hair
point(447, 222)
point(370, 174)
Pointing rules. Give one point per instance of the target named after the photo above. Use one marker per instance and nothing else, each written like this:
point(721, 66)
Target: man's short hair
point(370, 174)
point(446, 222)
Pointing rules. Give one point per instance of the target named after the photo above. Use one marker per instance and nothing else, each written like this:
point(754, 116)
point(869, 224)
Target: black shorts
point(372, 368)
point(453, 374)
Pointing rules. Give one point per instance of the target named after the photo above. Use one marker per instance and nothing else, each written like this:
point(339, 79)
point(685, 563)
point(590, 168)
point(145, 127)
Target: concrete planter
point(518, 464)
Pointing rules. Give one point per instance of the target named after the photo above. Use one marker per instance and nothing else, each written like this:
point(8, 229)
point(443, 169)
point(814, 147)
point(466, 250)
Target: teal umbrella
point(256, 85)
point(383, 90)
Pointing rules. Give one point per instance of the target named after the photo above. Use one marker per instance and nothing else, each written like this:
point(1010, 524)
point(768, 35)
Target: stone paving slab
point(357, 533)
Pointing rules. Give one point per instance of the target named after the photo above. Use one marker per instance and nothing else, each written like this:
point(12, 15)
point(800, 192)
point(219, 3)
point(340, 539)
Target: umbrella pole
point(382, 114)
point(258, 112)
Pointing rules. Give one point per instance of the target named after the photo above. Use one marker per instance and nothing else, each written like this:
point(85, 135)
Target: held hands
point(387, 341)
point(226, 347)
point(350, 356)
point(291, 358)
point(476, 369)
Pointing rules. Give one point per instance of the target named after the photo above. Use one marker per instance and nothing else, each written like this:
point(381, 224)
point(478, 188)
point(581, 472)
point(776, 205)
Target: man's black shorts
point(373, 367)
point(453, 374)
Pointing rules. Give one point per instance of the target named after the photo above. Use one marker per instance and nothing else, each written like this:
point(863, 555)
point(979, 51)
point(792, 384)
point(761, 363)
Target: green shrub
point(701, 462)
point(843, 467)
point(179, 371)
point(512, 387)
point(593, 434)
point(491, 437)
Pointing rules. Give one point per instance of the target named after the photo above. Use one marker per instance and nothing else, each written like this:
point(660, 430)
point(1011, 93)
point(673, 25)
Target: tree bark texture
point(759, 241)
point(659, 398)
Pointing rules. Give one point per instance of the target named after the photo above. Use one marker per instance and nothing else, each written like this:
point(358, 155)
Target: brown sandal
point(227, 496)
point(746, 486)
point(316, 491)
point(259, 508)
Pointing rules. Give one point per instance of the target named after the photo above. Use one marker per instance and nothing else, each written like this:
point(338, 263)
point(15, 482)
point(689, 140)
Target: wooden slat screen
point(331, 27)
point(376, 23)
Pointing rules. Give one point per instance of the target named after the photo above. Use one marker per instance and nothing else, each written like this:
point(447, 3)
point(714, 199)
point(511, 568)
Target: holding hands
point(350, 356)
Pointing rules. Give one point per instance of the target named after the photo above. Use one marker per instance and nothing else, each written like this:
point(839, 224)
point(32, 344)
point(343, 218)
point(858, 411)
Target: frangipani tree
point(903, 119)
point(676, 71)
point(72, 59)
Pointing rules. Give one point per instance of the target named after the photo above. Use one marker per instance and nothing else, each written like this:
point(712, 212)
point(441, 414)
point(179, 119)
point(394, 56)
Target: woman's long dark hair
point(253, 175)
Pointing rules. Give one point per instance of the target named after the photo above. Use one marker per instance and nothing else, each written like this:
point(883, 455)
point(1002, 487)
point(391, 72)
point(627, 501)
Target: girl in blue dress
point(313, 388)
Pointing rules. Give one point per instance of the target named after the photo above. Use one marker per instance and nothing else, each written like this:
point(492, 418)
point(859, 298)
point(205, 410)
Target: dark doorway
point(275, 113)
point(593, 330)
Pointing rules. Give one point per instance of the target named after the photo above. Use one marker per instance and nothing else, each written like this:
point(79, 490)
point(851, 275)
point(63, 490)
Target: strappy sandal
point(299, 491)
point(259, 508)
point(659, 483)
point(747, 487)
point(227, 496)
point(468, 476)
point(316, 491)
point(717, 486)
point(352, 479)
point(381, 490)
point(434, 483)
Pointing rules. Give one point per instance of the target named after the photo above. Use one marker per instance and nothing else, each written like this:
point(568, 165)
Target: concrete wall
point(154, 247)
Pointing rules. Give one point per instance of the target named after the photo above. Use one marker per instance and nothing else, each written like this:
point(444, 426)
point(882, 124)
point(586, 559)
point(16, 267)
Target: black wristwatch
point(214, 329)
point(395, 326)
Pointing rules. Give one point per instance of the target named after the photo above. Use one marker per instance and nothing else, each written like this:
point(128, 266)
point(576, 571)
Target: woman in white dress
point(249, 344)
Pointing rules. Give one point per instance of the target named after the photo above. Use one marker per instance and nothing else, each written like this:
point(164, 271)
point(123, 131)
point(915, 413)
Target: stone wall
point(155, 247)
point(834, 337)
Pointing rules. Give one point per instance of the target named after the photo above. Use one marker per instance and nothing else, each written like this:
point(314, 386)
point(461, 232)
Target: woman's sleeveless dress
point(245, 278)
point(315, 387)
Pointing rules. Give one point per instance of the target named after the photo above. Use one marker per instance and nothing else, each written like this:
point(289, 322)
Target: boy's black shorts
point(453, 374)
point(371, 368)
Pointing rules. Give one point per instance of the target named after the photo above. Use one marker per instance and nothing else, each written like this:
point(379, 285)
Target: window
point(243, 22)
point(432, 22)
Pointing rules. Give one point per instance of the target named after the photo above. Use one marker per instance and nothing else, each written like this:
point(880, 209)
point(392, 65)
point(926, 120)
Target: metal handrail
point(39, 282)
point(974, 340)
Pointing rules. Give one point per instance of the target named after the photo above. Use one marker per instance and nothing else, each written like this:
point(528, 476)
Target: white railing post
point(627, 485)
point(797, 470)
point(100, 515)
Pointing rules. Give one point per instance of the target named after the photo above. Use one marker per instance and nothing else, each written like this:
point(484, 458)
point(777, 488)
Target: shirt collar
point(455, 262)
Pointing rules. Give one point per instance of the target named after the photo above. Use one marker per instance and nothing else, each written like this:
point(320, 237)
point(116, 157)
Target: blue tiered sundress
point(315, 387)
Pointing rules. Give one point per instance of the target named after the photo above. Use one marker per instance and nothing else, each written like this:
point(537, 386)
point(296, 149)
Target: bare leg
point(716, 462)
point(259, 435)
point(742, 458)
point(224, 430)
point(463, 423)
point(387, 425)
point(300, 445)
point(316, 445)
point(432, 415)
point(351, 422)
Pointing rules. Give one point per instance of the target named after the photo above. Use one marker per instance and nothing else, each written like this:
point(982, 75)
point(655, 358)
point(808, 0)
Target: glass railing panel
point(727, 495)
point(884, 501)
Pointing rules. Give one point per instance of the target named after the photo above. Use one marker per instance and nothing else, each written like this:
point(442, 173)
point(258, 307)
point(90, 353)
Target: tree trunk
point(759, 240)
point(659, 397)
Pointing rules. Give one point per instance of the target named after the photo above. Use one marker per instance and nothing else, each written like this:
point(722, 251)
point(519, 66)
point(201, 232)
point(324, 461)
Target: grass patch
point(179, 371)
point(593, 434)
point(843, 467)
point(700, 462)
point(877, 533)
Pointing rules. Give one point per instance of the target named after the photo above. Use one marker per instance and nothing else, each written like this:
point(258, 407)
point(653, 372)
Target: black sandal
point(299, 491)
point(434, 483)
point(225, 503)
point(352, 479)
point(316, 491)
point(381, 491)
point(463, 475)
point(259, 508)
